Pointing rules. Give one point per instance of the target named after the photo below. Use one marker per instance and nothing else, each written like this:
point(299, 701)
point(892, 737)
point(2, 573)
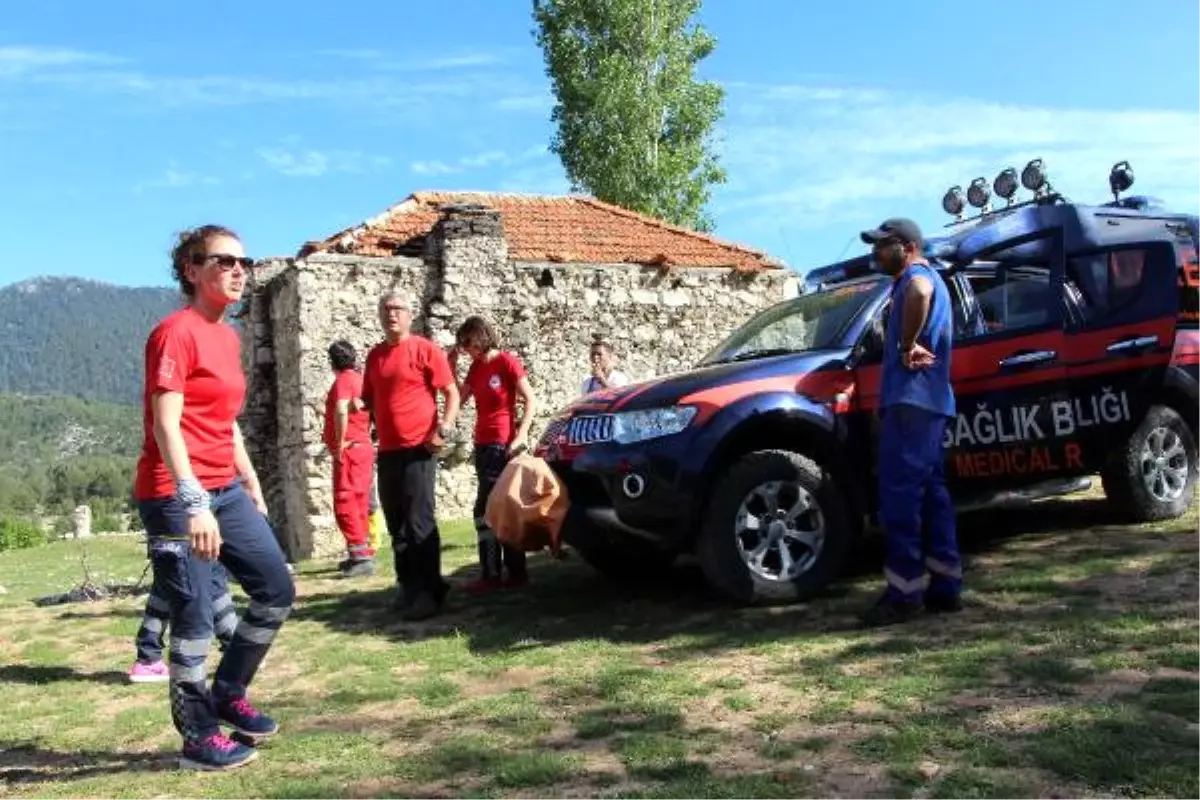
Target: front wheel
point(776, 530)
point(1153, 474)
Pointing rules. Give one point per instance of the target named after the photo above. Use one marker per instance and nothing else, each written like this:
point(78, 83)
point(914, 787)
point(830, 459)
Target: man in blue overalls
point(916, 403)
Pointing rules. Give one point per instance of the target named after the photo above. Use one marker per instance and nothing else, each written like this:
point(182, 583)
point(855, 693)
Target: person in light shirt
point(604, 374)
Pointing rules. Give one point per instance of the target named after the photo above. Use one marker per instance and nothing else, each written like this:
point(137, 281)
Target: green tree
point(633, 122)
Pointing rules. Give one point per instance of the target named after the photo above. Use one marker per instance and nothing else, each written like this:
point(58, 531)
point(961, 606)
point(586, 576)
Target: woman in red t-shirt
point(200, 500)
point(497, 380)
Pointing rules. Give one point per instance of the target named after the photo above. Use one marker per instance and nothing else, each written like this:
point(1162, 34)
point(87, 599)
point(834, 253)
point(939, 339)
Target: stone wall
point(659, 320)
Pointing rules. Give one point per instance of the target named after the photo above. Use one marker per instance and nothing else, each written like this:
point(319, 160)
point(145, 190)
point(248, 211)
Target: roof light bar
point(1005, 184)
point(953, 202)
point(979, 193)
point(1120, 178)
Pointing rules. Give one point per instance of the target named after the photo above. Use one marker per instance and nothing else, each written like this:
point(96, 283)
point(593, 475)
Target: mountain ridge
point(78, 337)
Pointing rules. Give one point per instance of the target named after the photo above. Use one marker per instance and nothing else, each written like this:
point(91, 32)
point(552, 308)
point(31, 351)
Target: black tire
point(718, 549)
point(1123, 478)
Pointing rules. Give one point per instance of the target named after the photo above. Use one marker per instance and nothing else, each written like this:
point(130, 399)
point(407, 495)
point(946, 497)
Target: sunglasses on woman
point(224, 261)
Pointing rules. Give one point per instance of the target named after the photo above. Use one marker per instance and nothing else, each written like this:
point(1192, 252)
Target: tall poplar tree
point(634, 124)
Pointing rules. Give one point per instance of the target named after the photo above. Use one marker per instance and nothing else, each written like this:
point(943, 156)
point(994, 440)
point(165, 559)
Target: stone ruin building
point(551, 272)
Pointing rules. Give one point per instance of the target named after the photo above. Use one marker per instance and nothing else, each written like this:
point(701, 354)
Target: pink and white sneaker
point(154, 672)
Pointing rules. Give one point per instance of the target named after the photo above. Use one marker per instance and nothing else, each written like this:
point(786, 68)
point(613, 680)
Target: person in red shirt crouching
point(200, 501)
point(497, 380)
point(347, 436)
point(401, 380)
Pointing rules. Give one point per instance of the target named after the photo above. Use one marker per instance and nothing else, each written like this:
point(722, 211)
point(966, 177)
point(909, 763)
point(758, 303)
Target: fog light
point(952, 201)
point(633, 485)
point(1005, 184)
point(978, 193)
point(1033, 177)
point(1120, 179)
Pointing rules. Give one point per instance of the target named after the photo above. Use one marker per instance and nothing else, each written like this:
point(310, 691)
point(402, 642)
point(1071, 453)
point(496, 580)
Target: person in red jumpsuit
point(347, 436)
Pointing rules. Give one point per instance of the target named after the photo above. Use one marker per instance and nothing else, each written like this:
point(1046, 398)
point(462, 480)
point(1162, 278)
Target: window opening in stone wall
point(546, 279)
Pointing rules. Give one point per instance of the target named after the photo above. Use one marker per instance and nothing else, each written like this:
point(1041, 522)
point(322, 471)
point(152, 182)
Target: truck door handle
point(1130, 345)
point(1026, 359)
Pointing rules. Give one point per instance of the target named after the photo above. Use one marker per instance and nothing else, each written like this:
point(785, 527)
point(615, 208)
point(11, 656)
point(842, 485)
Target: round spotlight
point(1033, 177)
point(952, 201)
point(978, 193)
point(1005, 184)
point(1121, 178)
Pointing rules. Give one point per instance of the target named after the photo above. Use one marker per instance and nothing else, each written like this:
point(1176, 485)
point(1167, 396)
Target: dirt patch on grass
point(507, 680)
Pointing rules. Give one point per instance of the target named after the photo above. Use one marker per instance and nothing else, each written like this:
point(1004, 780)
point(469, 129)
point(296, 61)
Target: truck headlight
point(651, 423)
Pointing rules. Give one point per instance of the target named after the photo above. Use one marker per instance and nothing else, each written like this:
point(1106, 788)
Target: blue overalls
point(914, 503)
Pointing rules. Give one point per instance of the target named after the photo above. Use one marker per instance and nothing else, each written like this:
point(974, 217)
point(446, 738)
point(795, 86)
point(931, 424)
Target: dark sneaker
point(517, 581)
point(943, 603)
point(424, 606)
point(889, 612)
point(217, 752)
point(360, 568)
point(246, 719)
point(482, 586)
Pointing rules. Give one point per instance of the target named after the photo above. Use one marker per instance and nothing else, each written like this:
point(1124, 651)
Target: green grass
point(1073, 671)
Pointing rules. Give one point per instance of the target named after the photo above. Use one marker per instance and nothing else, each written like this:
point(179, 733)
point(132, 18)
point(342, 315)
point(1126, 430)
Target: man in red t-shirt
point(497, 380)
point(401, 380)
point(347, 436)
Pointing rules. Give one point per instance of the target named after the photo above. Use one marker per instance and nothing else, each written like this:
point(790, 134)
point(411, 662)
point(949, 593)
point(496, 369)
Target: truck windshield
point(809, 322)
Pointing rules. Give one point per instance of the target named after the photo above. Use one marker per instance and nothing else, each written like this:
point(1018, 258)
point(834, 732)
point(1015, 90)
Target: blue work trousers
point(252, 556)
point(152, 632)
point(915, 507)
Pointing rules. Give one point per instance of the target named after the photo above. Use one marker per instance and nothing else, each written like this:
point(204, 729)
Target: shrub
point(18, 533)
point(106, 523)
point(61, 527)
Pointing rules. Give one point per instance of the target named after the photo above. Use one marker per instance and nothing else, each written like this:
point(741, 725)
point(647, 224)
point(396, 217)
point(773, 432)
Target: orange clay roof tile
point(570, 229)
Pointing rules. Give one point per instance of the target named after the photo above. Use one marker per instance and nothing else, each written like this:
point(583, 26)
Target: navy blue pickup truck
point(1075, 354)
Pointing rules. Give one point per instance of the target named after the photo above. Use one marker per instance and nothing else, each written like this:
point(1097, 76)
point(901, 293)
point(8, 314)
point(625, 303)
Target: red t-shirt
point(187, 353)
point(399, 385)
point(346, 386)
point(493, 384)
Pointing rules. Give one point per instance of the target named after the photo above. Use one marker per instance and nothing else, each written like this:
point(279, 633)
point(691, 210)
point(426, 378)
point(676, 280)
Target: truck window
point(1018, 299)
point(1108, 281)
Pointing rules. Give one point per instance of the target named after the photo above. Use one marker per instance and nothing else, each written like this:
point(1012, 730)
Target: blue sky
point(122, 122)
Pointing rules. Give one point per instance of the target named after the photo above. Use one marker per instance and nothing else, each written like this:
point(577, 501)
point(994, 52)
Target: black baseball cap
point(900, 228)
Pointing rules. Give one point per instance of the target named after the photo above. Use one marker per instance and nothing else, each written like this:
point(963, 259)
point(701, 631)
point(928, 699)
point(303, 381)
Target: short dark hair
point(342, 355)
point(601, 343)
point(479, 332)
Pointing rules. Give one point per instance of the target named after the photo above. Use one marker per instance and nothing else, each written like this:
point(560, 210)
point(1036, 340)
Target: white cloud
point(806, 156)
point(18, 60)
point(476, 161)
point(312, 163)
point(175, 178)
point(383, 60)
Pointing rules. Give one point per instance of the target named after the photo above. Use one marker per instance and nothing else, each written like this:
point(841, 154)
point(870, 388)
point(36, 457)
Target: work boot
point(424, 606)
point(359, 568)
point(889, 611)
point(943, 603)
